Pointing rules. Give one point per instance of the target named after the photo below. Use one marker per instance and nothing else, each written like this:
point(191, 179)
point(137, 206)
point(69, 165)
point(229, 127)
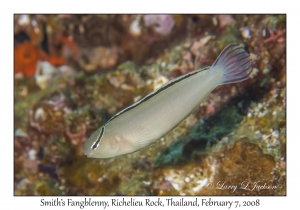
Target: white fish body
point(147, 120)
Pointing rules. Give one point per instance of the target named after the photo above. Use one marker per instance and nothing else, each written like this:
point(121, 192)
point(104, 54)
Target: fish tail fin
point(234, 63)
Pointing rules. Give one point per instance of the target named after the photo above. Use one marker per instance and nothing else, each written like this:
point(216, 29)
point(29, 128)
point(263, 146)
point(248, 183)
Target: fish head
point(101, 144)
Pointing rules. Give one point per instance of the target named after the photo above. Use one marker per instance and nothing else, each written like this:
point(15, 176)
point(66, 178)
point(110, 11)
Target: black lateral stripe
point(159, 90)
point(96, 143)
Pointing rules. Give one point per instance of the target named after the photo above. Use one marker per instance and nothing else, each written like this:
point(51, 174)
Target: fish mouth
point(89, 153)
point(89, 156)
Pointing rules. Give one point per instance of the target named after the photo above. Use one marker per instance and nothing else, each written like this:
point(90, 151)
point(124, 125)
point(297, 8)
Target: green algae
point(57, 148)
point(141, 187)
point(204, 134)
point(274, 22)
point(229, 35)
point(22, 105)
point(47, 188)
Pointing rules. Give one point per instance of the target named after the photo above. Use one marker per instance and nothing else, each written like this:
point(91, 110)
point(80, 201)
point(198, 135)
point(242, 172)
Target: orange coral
point(56, 61)
point(26, 57)
point(69, 42)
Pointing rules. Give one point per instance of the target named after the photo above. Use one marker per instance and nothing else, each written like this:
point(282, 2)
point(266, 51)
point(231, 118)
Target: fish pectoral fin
point(140, 137)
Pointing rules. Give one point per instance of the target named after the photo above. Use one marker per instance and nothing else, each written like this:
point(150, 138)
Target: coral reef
point(163, 24)
point(74, 72)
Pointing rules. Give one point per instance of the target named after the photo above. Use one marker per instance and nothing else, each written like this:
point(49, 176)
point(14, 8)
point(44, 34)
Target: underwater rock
point(245, 31)
point(241, 170)
point(135, 28)
point(199, 44)
point(91, 31)
point(163, 24)
point(248, 168)
point(48, 114)
point(225, 20)
point(99, 58)
point(45, 188)
point(46, 74)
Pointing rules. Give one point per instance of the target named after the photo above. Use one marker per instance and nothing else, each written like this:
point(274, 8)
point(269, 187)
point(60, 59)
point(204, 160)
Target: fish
point(144, 122)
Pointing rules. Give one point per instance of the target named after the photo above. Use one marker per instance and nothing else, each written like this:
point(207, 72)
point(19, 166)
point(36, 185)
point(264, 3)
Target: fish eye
point(96, 143)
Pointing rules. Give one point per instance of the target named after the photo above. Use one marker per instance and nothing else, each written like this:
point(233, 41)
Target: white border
point(8, 8)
